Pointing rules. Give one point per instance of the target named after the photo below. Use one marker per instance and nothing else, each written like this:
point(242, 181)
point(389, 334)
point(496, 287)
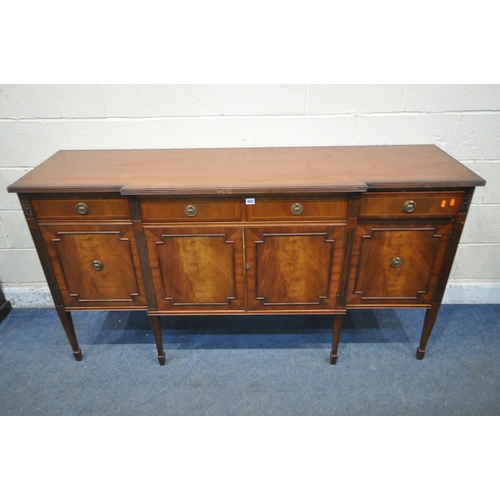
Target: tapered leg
point(67, 323)
point(337, 328)
point(5, 308)
point(430, 319)
point(156, 326)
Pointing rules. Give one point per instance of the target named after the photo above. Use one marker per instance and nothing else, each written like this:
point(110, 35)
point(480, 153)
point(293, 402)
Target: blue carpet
point(252, 365)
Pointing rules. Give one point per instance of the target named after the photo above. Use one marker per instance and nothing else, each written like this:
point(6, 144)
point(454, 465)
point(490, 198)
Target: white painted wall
point(463, 120)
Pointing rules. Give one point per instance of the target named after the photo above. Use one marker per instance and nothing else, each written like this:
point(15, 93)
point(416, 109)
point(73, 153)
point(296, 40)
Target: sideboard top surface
point(247, 170)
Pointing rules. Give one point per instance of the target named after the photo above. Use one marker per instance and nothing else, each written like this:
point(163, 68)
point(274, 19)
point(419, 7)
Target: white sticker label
point(250, 201)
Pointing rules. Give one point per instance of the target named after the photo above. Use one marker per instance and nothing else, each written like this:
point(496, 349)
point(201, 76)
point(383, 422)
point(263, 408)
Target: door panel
point(96, 265)
point(293, 267)
point(396, 264)
point(197, 268)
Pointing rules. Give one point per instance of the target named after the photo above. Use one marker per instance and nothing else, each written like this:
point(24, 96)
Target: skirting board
point(472, 293)
point(456, 293)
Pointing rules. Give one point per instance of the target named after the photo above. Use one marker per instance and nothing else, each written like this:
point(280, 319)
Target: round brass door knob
point(297, 208)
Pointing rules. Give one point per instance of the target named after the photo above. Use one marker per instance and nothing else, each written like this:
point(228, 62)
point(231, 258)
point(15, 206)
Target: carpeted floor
point(252, 365)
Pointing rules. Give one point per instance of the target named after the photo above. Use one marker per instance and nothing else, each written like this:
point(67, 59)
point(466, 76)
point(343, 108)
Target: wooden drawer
point(191, 210)
point(411, 204)
point(298, 208)
point(75, 207)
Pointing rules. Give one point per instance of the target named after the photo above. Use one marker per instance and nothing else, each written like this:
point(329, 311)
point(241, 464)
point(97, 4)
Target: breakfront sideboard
point(314, 230)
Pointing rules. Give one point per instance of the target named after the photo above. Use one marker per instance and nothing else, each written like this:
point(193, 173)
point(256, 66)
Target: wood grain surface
point(248, 170)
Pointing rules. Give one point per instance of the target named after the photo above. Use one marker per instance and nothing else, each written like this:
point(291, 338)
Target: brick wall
point(463, 120)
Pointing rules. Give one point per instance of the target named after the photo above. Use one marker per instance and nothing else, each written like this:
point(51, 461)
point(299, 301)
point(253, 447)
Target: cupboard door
point(397, 264)
point(293, 267)
point(95, 265)
point(197, 268)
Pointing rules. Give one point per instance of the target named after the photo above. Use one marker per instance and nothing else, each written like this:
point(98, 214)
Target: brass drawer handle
point(396, 261)
point(82, 208)
point(97, 265)
point(409, 206)
point(190, 210)
point(297, 208)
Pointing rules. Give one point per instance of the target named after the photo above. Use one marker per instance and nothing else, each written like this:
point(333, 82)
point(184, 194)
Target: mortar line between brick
point(404, 98)
point(482, 161)
point(489, 244)
point(157, 118)
point(16, 168)
point(477, 160)
point(104, 101)
point(243, 116)
point(455, 126)
point(28, 249)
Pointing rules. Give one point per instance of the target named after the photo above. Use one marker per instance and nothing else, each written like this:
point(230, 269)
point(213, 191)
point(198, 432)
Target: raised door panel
point(293, 267)
point(197, 268)
point(96, 265)
point(397, 265)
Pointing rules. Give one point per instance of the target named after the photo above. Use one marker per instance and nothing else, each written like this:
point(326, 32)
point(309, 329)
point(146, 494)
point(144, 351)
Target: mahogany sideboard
point(313, 230)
